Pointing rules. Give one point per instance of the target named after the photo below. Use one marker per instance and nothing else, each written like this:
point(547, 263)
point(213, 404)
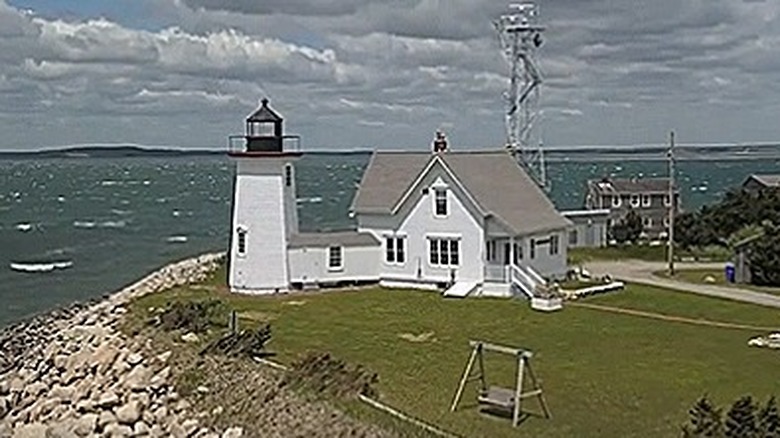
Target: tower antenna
point(520, 36)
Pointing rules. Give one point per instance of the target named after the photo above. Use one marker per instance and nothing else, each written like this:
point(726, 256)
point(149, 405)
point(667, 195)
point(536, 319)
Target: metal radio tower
point(520, 35)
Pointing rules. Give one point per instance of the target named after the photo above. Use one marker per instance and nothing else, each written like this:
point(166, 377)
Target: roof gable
point(493, 181)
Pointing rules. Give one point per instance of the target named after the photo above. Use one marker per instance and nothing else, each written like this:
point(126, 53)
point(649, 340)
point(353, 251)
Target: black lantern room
point(264, 132)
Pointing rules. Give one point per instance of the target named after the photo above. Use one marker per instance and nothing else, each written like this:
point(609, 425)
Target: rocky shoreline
point(71, 372)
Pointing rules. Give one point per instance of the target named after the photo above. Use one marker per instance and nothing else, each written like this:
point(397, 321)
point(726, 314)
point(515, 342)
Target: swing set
point(497, 397)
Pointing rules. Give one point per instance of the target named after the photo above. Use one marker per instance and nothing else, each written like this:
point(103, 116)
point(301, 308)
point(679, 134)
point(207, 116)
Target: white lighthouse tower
point(264, 211)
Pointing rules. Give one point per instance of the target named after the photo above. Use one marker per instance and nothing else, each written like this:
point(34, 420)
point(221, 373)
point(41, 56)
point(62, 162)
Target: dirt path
point(672, 318)
point(637, 271)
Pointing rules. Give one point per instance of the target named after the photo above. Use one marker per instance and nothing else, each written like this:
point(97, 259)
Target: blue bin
point(730, 272)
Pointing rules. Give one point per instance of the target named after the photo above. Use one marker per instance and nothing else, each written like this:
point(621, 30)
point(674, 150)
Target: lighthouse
point(264, 213)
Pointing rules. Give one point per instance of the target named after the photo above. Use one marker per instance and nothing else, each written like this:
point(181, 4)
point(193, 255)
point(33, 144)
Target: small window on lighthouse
point(288, 175)
point(241, 243)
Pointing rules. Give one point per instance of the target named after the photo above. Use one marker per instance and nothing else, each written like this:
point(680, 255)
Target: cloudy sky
point(382, 73)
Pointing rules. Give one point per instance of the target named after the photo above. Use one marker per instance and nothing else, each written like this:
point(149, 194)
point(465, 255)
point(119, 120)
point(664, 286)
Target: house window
point(444, 252)
point(667, 201)
point(335, 258)
point(518, 253)
point(573, 237)
point(532, 249)
point(635, 200)
point(616, 201)
point(241, 241)
point(440, 201)
point(395, 249)
point(400, 249)
point(666, 222)
point(491, 250)
point(554, 242)
point(646, 201)
point(647, 222)
point(390, 249)
point(288, 175)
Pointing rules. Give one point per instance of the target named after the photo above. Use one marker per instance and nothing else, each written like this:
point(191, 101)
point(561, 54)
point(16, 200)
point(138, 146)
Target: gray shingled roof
point(337, 238)
point(630, 185)
point(499, 185)
point(767, 180)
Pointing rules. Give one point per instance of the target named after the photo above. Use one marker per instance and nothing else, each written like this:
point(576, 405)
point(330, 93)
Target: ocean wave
point(24, 226)
point(113, 224)
point(84, 224)
point(40, 267)
point(110, 182)
point(176, 239)
point(119, 212)
point(312, 200)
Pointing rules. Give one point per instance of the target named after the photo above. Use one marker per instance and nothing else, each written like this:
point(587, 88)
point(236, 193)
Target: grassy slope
point(604, 374)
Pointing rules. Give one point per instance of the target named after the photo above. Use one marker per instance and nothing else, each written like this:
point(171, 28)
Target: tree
point(765, 257)
point(741, 419)
point(629, 228)
point(769, 420)
point(704, 420)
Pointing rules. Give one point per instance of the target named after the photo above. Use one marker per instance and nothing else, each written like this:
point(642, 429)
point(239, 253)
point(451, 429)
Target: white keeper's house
point(465, 222)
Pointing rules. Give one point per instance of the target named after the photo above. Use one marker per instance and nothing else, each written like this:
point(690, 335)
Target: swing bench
point(497, 397)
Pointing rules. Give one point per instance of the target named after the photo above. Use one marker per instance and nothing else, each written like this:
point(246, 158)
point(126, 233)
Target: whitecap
point(113, 224)
point(84, 224)
point(109, 182)
point(41, 267)
point(60, 199)
point(119, 212)
point(23, 226)
point(313, 200)
point(176, 239)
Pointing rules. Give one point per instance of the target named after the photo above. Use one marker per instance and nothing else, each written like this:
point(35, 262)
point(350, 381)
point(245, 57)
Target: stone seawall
point(71, 372)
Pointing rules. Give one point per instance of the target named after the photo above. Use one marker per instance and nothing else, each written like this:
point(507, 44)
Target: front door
point(507, 253)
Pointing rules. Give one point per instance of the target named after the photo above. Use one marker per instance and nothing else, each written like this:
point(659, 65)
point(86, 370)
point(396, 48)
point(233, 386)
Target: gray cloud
point(358, 73)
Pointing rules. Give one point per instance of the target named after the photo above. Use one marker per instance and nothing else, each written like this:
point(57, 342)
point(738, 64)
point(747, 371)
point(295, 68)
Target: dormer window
point(616, 201)
point(646, 200)
point(440, 202)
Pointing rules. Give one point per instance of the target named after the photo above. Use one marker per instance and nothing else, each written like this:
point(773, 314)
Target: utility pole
point(670, 233)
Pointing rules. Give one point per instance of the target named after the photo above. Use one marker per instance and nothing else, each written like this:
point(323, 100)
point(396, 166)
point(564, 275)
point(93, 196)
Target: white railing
point(522, 280)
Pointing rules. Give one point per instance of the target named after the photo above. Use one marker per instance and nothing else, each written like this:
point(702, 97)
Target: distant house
point(649, 197)
point(754, 182)
point(470, 222)
point(589, 228)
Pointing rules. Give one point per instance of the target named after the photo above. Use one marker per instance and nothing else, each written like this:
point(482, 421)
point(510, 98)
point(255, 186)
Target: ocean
point(78, 228)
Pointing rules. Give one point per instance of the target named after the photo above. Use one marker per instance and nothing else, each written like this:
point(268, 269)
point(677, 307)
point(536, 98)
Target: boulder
point(134, 359)
point(64, 393)
point(105, 418)
point(129, 413)
point(34, 430)
point(104, 357)
point(108, 400)
point(85, 424)
point(138, 378)
point(141, 429)
point(60, 431)
point(233, 432)
point(190, 337)
point(118, 430)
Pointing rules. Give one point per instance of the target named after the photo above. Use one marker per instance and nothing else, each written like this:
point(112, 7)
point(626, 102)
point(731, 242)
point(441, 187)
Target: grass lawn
point(603, 374)
point(698, 276)
point(643, 252)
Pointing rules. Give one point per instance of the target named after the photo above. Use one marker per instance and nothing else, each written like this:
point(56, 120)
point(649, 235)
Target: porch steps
point(460, 289)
